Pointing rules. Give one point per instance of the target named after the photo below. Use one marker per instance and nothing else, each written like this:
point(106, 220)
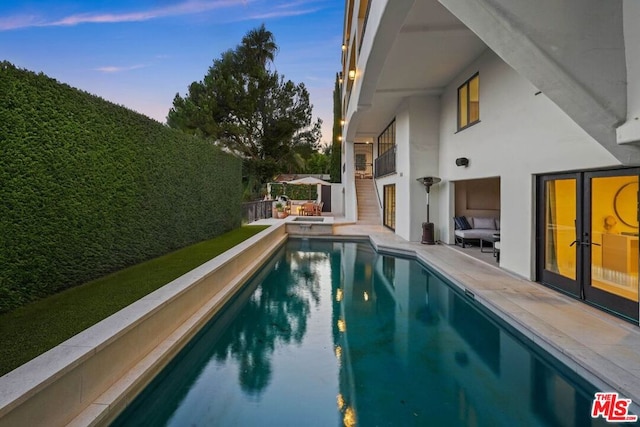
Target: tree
point(336, 145)
point(319, 162)
point(251, 111)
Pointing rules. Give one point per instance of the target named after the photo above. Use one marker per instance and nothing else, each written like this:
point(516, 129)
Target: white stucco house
point(540, 99)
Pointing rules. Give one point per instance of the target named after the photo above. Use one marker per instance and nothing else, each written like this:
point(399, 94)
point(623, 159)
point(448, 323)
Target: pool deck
point(600, 347)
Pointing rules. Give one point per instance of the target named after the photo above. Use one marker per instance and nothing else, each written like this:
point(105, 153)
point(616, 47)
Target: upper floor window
point(387, 139)
point(386, 160)
point(469, 102)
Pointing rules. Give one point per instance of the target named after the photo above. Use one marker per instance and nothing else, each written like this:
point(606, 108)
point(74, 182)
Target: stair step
point(368, 207)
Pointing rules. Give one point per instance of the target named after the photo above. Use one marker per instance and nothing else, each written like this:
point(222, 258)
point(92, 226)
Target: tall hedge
point(335, 169)
point(88, 187)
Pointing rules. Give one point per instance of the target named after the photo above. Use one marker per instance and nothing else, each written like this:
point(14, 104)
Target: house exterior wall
point(348, 166)
point(515, 123)
point(417, 127)
point(630, 131)
point(574, 51)
point(337, 199)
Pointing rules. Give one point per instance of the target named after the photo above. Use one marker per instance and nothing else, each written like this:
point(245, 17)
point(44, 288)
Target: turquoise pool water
point(332, 333)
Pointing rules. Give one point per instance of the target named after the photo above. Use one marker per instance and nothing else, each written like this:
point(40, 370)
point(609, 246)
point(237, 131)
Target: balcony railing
point(386, 163)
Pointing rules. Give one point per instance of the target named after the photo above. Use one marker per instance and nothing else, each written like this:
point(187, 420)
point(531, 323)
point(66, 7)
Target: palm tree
point(259, 47)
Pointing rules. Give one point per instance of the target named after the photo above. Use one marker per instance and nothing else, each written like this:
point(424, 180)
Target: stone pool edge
point(90, 378)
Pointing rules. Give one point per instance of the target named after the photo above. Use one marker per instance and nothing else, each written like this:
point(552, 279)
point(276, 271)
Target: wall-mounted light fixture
point(352, 74)
point(339, 137)
point(342, 122)
point(344, 47)
point(462, 161)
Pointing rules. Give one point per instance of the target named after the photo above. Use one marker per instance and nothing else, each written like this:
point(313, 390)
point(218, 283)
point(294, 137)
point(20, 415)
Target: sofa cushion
point(475, 233)
point(485, 223)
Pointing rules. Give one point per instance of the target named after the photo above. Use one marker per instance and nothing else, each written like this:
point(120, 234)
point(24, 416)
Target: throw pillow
point(461, 223)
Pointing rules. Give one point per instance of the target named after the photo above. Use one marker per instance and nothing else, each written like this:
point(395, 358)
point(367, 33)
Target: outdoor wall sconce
point(352, 74)
point(344, 47)
point(462, 161)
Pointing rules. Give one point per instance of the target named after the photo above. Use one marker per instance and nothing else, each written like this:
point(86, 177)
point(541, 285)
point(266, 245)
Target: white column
point(417, 137)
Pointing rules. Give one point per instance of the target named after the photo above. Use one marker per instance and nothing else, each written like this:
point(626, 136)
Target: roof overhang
point(416, 50)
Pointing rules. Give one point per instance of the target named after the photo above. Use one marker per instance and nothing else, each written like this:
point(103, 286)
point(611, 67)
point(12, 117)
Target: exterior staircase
point(368, 205)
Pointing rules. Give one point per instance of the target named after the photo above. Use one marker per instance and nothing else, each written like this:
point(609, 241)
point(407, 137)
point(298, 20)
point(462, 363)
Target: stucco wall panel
point(521, 133)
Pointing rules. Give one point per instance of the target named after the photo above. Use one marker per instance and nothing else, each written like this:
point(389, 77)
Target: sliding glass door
point(588, 237)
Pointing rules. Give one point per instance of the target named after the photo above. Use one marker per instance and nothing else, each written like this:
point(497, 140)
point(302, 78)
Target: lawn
point(37, 327)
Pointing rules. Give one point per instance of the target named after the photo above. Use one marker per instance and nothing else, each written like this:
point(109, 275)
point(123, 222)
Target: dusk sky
point(141, 53)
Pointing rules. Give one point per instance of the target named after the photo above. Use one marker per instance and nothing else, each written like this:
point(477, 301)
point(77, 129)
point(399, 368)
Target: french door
point(389, 208)
point(588, 237)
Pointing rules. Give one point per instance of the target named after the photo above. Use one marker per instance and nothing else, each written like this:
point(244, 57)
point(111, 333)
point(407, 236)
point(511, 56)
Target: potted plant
point(280, 210)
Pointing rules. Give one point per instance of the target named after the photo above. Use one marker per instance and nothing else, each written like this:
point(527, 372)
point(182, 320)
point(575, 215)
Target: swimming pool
point(333, 333)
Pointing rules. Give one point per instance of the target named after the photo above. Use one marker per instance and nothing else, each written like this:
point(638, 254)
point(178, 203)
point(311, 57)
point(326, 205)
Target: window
point(469, 102)
point(361, 162)
point(387, 139)
point(386, 160)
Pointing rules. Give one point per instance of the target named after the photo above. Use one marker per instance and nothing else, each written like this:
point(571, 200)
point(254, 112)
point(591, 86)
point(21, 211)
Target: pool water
point(331, 333)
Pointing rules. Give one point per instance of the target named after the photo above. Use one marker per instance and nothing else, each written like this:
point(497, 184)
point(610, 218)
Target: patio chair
point(308, 209)
point(318, 208)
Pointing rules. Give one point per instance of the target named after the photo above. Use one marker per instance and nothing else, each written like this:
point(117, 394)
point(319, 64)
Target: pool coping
point(93, 376)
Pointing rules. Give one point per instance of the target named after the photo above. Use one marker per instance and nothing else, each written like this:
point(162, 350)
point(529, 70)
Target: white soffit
point(430, 50)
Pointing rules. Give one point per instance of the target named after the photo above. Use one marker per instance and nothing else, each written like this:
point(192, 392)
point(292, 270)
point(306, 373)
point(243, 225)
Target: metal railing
point(253, 211)
point(386, 163)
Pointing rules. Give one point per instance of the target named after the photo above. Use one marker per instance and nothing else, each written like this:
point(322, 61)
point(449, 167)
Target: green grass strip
point(37, 327)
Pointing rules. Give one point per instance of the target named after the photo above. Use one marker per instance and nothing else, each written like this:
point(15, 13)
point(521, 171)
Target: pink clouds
point(189, 7)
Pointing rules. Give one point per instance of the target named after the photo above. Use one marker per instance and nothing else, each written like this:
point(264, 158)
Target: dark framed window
point(389, 208)
point(386, 160)
point(361, 162)
point(469, 102)
point(387, 139)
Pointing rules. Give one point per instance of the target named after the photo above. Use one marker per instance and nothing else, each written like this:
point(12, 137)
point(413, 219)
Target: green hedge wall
point(295, 191)
point(88, 187)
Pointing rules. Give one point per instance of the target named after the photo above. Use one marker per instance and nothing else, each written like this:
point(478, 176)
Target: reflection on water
point(275, 315)
point(333, 333)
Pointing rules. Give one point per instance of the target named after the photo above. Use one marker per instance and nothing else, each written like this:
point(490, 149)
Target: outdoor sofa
point(475, 228)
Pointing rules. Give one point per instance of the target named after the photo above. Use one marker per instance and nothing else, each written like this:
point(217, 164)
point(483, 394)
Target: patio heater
point(427, 227)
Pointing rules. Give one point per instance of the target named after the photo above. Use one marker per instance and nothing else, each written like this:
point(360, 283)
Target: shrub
point(88, 187)
point(295, 191)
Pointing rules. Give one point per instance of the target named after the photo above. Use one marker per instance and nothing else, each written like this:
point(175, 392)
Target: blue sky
point(141, 53)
